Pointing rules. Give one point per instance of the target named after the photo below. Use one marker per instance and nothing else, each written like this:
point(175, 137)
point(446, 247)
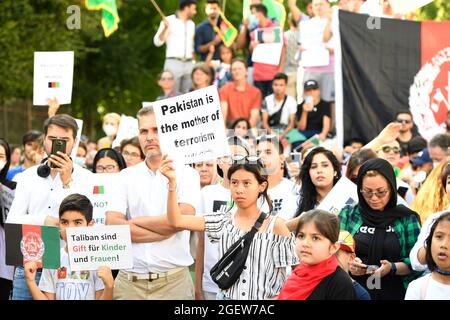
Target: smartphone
point(58, 145)
point(308, 99)
point(295, 157)
point(371, 268)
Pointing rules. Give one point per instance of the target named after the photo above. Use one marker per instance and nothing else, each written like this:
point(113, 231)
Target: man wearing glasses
point(406, 130)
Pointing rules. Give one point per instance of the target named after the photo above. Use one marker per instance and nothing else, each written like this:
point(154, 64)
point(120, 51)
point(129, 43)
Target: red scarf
point(306, 278)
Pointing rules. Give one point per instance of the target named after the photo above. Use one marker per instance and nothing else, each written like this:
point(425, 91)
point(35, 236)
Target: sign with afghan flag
point(110, 17)
point(387, 65)
point(226, 31)
point(30, 243)
point(269, 35)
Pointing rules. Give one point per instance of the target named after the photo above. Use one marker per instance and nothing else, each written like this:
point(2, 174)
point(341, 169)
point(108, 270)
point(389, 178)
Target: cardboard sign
point(30, 243)
point(191, 126)
point(343, 193)
point(128, 128)
point(7, 197)
point(90, 248)
point(53, 77)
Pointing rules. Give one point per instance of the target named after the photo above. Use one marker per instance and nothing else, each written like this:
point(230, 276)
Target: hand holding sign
point(104, 273)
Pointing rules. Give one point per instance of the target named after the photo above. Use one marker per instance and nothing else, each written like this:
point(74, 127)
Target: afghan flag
point(226, 31)
point(383, 66)
point(269, 35)
point(275, 10)
point(27, 243)
point(99, 190)
point(110, 17)
point(54, 84)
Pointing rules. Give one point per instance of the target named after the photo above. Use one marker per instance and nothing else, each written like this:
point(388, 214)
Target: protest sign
point(30, 243)
point(343, 193)
point(73, 155)
point(6, 199)
point(191, 126)
point(406, 6)
point(53, 77)
point(128, 128)
point(99, 189)
point(90, 248)
point(268, 53)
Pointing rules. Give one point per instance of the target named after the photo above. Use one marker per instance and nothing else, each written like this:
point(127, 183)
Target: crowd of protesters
point(392, 244)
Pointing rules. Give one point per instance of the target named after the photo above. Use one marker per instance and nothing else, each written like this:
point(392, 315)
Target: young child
point(63, 284)
point(435, 286)
point(318, 277)
point(345, 255)
point(222, 68)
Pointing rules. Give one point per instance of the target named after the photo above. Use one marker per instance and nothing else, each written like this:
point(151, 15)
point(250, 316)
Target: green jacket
point(407, 230)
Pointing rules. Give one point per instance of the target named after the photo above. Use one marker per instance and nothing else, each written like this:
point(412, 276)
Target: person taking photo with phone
point(41, 188)
point(313, 114)
point(384, 233)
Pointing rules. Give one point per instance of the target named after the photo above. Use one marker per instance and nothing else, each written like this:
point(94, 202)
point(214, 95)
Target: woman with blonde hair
point(110, 126)
point(431, 197)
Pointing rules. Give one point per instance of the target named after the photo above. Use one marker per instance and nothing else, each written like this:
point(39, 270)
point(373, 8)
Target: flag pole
point(224, 6)
point(158, 9)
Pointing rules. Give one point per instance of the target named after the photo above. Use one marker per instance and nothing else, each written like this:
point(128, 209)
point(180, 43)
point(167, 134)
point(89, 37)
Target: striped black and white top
point(265, 270)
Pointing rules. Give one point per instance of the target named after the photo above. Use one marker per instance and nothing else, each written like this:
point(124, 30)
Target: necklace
point(444, 273)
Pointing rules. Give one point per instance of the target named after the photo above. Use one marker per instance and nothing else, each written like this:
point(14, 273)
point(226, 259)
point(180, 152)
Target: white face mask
point(109, 129)
point(2, 164)
point(81, 161)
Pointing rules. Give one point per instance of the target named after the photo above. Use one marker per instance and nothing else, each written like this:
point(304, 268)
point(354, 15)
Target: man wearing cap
point(177, 32)
point(345, 256)
point(313, 114)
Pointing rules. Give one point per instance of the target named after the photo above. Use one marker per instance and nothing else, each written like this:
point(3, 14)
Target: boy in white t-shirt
point(63, 284)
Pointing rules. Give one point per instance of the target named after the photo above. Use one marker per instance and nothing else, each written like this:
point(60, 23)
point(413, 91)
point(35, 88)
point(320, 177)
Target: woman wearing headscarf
point(384, 233)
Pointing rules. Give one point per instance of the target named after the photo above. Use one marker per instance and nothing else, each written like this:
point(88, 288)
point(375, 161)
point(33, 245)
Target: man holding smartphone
point(38, 197)
point(313, 114)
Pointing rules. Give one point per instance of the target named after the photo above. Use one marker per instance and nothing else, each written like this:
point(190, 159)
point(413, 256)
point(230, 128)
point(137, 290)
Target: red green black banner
point(391, 65)
point(26, 243)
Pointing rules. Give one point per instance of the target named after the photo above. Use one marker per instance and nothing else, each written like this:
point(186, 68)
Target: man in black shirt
point(313, 114)
point(406, 131)
point(205, 36)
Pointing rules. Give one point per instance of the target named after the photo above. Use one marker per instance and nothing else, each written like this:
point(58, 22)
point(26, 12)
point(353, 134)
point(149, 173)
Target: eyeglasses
point(109, 168)
point(239, 158)
point(387, 149)
point(403, 121)
point(165, 78)
point(378, 194)
point(130, 154)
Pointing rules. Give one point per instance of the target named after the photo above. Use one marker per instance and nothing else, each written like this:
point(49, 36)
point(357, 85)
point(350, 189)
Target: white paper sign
point(191, 126)
point(90, 248)
point(99, 190)
point(128, 128)
point(406, 6)
point(343, 193)
point(7, 197)
point(73, 155)
point(316, 57)
point(268, 53)
point(53, 77)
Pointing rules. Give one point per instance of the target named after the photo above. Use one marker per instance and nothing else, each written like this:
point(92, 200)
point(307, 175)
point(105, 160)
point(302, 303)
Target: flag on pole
point(110, 17)
point(275, 10)
point(383, 66)
point(30, 243)
point(226, 31)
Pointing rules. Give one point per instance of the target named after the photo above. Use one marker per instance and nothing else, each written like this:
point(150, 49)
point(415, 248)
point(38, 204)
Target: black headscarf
point(377, 219)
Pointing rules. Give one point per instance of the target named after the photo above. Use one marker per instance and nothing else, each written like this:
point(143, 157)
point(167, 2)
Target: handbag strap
point(282, 105)
point(258, 224)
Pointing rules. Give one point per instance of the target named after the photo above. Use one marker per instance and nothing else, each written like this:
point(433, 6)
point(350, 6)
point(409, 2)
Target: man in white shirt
point(39, 195)
point(161, 254)
point(177, 31)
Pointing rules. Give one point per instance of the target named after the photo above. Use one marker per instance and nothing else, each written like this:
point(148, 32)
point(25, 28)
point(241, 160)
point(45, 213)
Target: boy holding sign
point(62, 284)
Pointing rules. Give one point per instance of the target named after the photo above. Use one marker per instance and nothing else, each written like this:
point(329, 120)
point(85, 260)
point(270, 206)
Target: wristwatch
point(68, 185)
point(393, 269)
